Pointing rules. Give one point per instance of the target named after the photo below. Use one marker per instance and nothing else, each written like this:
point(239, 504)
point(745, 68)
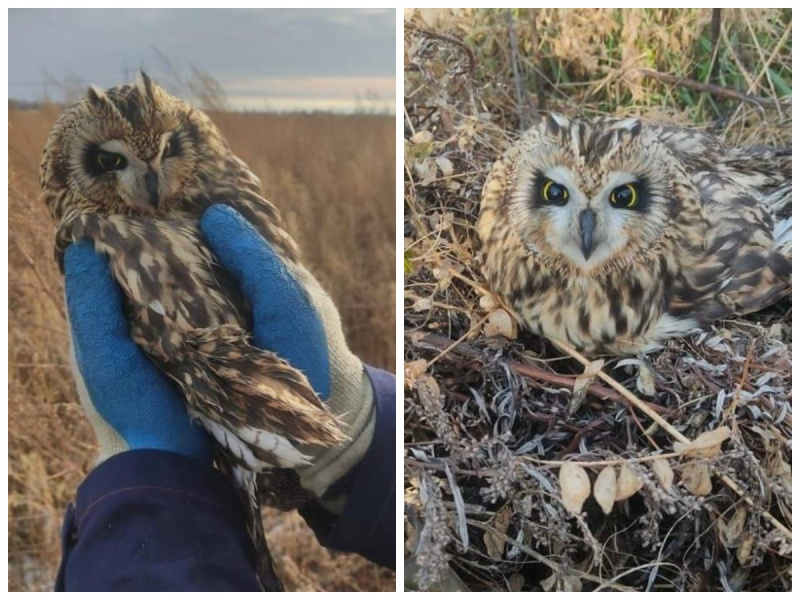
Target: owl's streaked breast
point(169, 277)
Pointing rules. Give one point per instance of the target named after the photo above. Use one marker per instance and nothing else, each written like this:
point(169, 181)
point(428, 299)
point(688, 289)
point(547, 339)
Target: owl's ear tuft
point(556, 123)
point(145, 85)
point(97, 97)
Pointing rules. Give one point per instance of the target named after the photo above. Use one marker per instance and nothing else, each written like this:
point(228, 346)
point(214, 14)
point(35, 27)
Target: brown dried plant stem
point(715, 90)
point(461, 351)
point(569, 350)
point(555, 566)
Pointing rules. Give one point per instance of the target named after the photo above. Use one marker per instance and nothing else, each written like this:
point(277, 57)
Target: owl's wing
point(252, 402)
point(241, 189)
point(746, 264)
point(759, 169)
point(695, 149)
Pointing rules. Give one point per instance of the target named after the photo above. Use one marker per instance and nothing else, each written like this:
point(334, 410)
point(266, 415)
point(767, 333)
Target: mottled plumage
point(614, 235)
point(133, 169)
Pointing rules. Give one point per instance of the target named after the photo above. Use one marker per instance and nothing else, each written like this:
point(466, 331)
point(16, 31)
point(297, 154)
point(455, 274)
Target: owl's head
point(594, 193)
point(132, 149)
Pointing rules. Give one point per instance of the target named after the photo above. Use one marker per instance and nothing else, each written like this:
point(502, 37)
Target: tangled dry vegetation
point(531, 468)
point(333, 178)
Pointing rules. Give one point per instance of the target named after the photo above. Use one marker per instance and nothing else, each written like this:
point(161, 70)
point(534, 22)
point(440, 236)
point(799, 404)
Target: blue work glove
point(129, 402)
point(294, 318)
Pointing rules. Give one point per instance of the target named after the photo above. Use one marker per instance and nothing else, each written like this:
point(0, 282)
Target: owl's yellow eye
point(110, 161)
point(554, 193)
point(625, 196)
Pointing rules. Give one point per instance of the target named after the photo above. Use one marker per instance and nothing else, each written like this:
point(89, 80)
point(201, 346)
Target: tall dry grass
point(333, 178)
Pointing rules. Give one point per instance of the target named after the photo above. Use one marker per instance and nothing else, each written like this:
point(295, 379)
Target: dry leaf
point(429, 392)
point(487, 302)
point(500, 323)
point(578, 394)
point(443, 220)
point(645, 382)
point(549, 583)
point(593, 368)
point(605, 489)
point(445, 166)
point(422, 305)
point(412, 370)
point(571, 583)
point(783, 471)
point(664, 473)
point(696, 478)
point(559, 582)
point(744, 550)
point(515, 582)
point(422, 137)
point(443, 278)
point(732, 530)
point(575, 487)
point(628, 483)
point(582, 383)
point(494, 543)
point(707, 445)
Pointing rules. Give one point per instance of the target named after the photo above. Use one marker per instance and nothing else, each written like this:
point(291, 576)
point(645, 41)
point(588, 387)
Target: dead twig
point(442, 344)
point(521, 103)
point(709, 88)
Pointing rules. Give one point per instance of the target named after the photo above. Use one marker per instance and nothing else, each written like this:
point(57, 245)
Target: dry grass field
point(333, 177)
point(494, 413)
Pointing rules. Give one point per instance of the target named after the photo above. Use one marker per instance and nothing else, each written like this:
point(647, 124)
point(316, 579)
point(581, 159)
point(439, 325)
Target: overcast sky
point(274, 59)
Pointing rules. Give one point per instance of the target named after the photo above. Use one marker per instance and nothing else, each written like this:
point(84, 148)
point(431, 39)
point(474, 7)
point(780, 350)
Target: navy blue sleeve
point(153, 520)
point(367, 524)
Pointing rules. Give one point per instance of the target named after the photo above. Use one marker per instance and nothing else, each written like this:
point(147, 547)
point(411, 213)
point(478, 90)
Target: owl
point(133, 169)
point(614, 235)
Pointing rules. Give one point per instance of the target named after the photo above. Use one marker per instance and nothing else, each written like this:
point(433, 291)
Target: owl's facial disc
point(136, 182)
point(588, 219)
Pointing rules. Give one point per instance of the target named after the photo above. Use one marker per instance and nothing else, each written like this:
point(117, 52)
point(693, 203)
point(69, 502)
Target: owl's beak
point(151, 187)
point(587, 220)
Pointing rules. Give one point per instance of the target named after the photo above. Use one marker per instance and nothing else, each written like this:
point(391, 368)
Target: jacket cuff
point(367, 524)
point(155, 520)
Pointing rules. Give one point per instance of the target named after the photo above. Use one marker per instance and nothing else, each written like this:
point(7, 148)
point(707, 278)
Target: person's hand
point(294, 318)
point(129, 402)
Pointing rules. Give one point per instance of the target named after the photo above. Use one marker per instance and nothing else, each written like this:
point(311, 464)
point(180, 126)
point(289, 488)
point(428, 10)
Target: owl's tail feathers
point(247, 485)
point(254, 403)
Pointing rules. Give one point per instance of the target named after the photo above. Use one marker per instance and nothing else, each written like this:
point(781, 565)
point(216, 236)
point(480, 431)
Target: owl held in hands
point(133, 169)
point(615, 235)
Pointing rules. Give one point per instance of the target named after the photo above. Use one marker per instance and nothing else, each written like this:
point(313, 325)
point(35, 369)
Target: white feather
point(239, 444)
point(782, 233)
point(286, 454)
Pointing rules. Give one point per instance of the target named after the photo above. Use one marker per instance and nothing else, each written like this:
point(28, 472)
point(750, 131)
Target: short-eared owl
point(614, 235)
point(133, 169)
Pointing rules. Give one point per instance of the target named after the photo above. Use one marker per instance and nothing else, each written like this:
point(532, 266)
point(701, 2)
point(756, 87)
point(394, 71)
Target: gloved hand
point(296, 319)
point(129, 402)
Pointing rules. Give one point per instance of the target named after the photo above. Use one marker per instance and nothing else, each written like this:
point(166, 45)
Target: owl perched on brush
point(614, 235)
point(133, 169)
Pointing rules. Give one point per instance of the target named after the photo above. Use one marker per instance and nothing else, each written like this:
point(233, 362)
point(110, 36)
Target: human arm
point(146, 516)
point(354, 482)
